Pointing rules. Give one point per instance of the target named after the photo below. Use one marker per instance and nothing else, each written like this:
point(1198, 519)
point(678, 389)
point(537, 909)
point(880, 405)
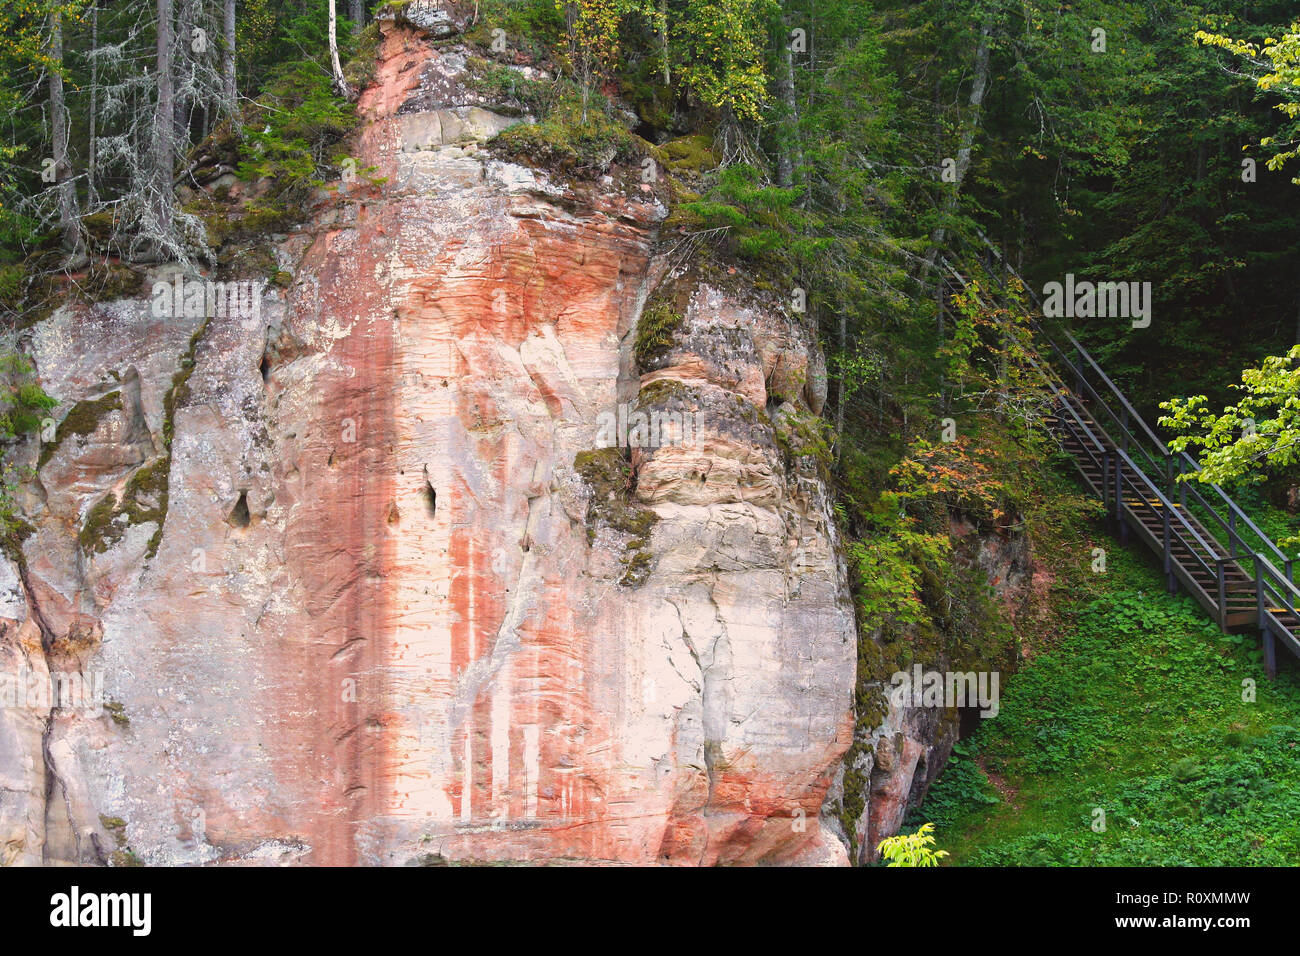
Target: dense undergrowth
point(1134, 740)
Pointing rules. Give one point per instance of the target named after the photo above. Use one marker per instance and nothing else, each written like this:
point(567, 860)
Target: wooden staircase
point(1206, 543)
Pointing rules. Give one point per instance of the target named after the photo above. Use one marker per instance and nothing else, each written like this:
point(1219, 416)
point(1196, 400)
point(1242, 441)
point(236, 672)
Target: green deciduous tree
point(1275, 67)
point(913, 849)
point(722, 48)
point(1261, 431)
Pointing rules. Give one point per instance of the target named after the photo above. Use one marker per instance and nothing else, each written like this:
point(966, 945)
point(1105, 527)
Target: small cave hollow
point(239, 515)
point(968, 721)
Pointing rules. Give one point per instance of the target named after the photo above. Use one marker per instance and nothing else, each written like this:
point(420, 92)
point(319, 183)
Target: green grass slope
point(1141, 718)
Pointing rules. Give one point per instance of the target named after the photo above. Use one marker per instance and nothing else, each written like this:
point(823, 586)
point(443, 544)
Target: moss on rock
point(105, 282)
point(804, 436)
point(569, 142)
point(609, 476)
point(118, 713)
point(687, 155)
point(146, 496)
point(655, 332)
point(664, 391)
point(97, 529)
point(82, 419)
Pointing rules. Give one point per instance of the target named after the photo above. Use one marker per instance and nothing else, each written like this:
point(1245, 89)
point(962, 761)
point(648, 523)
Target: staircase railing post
point(1259, 593)
point(1232, 532)
point(1118, 490)
point(1222, 581)
point(1105, 480)
point(1169, 560)
point(1119, 499)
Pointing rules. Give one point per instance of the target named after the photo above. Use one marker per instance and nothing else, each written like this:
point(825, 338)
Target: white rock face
point(367, 588)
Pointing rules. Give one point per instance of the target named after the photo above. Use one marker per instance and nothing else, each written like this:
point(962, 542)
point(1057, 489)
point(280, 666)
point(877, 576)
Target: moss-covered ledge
point(82, 419)
point(612, 505)
point(146, 495)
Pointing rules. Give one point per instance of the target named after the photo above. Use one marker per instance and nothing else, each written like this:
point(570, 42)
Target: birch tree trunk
point(340, 84)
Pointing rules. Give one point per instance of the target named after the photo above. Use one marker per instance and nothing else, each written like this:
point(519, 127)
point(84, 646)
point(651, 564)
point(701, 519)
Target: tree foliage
point(1275, 66)
point(1260, 431)
point(722, 51)
point(912, 849)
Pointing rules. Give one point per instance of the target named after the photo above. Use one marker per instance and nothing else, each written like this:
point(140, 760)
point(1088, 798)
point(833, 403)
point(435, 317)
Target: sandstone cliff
point(359, 578)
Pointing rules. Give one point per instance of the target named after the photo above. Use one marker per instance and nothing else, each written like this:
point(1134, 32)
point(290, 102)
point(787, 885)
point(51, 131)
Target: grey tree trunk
point(340, 83)
point(230, 94)
point(979, 87)
point(790, 155)
point(66, 187)
point(164, 127)
point(182, 65)
point(357, 14)
point(663, 41)
point(92, 198)
point(839, 386)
